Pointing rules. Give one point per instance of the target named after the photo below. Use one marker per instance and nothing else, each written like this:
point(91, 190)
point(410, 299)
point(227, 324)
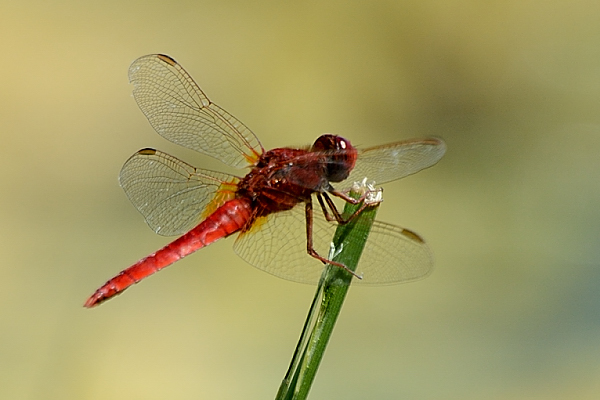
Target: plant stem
point(349, 240)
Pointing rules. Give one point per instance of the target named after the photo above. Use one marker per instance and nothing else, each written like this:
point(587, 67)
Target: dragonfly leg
point(336, 214)
point(347, 198)
point(309, 239)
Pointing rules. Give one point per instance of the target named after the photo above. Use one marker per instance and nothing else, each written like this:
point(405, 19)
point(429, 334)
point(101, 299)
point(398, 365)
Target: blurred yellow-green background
point(512, 310)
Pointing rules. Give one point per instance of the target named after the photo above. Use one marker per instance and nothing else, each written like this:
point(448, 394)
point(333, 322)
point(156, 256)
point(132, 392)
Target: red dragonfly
point(275, 232)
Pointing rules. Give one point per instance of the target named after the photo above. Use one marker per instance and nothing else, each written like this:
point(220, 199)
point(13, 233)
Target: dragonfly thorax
point(281, 179)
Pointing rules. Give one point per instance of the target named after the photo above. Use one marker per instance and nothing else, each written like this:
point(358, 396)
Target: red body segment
point(227, 219)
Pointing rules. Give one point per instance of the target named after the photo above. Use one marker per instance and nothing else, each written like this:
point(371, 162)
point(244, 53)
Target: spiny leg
point(309, 241)
point(336, 214)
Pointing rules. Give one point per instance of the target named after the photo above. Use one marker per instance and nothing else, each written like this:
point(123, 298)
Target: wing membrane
point(278, 246)
point(169, 193)
point(395, 160)
point(180, 112)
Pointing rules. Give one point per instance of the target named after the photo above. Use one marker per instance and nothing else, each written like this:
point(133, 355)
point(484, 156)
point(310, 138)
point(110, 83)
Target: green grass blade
point(349, 240)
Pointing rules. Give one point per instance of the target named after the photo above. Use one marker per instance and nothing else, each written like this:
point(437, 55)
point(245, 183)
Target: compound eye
point(325, 142)
point(341, 156)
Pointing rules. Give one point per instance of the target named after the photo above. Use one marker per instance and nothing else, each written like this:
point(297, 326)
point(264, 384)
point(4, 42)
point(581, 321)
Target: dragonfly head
point(340, 156)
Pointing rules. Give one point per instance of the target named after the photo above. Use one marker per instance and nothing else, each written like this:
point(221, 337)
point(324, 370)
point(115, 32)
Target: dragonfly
point(271, 207)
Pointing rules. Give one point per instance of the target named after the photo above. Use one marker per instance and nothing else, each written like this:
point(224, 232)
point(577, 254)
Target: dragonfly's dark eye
point(341, 156)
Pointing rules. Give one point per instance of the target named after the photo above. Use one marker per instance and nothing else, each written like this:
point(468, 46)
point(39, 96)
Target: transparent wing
point(180, 112)
point(171, 194)
point(278, 246)
point(395, 160)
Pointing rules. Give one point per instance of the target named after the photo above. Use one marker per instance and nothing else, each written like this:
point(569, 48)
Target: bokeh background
point(512, 212)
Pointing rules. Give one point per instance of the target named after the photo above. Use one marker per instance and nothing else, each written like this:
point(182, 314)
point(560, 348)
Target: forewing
point(171, 194)
point(278, 246)
point(395, 160)
point(180, 112)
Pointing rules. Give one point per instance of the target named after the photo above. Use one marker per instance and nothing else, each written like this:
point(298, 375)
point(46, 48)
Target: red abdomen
point(227, 219)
